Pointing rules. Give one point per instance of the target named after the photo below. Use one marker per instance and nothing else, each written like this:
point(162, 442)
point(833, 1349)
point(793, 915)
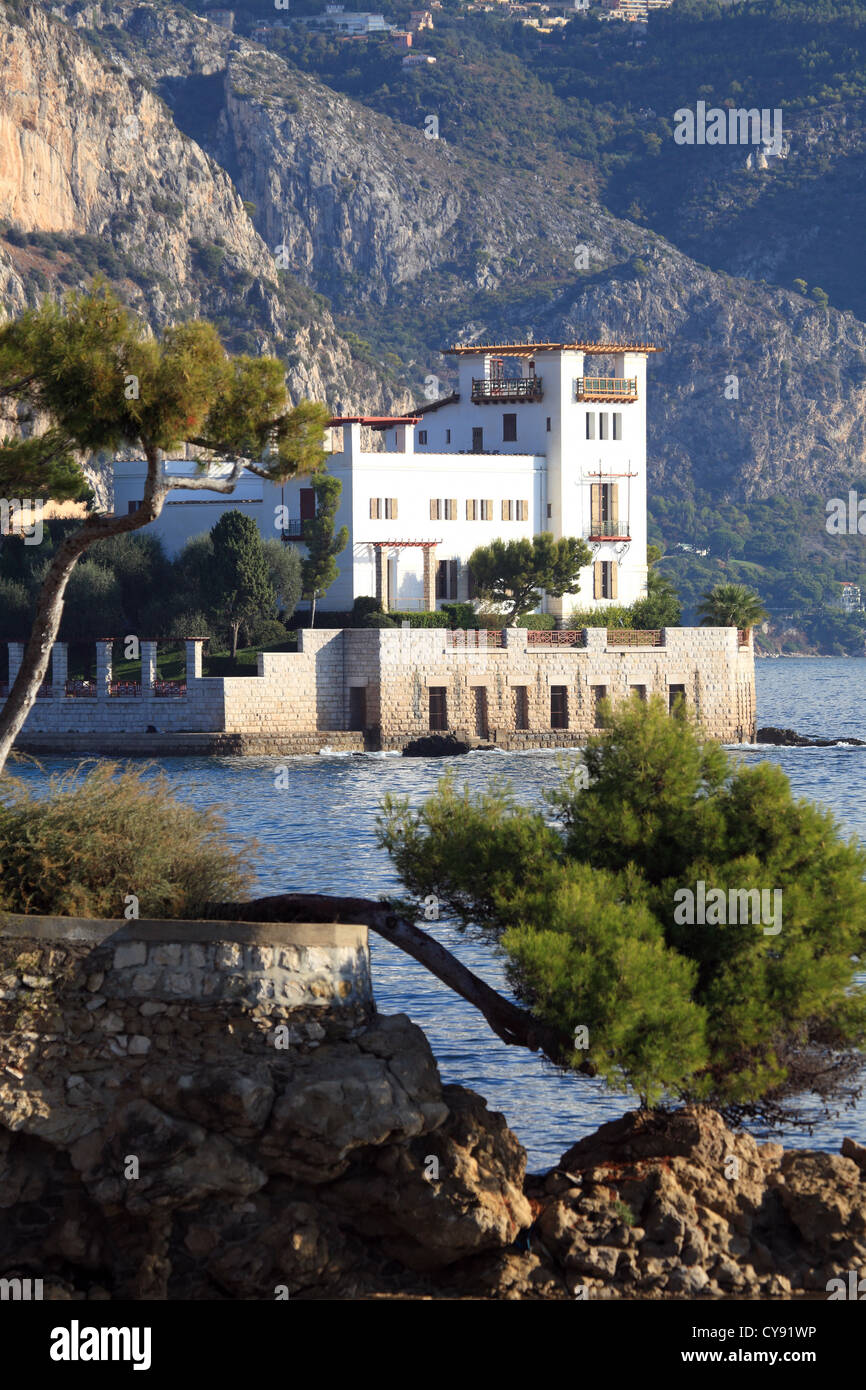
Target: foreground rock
point(436, 746)
point(156, 1142)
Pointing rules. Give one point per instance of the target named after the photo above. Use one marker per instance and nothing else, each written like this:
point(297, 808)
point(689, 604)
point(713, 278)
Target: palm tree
point(731, 605)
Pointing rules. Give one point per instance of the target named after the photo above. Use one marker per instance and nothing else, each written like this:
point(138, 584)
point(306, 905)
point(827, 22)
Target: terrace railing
point(504, 388)
point(634, 637)
point(606, 388)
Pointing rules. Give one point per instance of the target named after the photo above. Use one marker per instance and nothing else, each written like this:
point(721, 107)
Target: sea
point(317, 834)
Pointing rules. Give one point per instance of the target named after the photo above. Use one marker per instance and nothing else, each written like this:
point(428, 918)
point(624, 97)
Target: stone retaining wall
point(303, 701)
point(93, 990)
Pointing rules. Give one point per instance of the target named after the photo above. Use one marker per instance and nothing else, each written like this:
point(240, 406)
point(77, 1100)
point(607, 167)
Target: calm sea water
point(318, 836)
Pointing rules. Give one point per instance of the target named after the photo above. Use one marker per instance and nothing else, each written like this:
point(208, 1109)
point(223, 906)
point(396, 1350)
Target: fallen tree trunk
point(515, 1026)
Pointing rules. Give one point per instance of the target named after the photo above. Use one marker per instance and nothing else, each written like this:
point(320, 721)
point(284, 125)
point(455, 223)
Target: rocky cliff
point(159, 1138)
point(413, 241)
point(96, 177)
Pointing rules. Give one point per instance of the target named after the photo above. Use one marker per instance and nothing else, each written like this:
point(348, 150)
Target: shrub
point(269, 633)
point(421, 619)
point(537, 622)
point(377, 620)
point(114, 830)
point(462, 615)
point(364, 605)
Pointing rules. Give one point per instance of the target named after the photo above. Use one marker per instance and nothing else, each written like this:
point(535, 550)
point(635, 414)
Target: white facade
point(561, 447)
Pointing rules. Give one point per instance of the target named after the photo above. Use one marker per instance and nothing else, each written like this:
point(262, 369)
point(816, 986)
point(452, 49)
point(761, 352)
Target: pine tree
point(242, 590)
point(319, 569)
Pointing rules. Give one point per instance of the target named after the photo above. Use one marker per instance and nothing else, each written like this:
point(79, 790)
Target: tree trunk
point(512, 1024)
point(313, 613)
point(235, 627)
point(49, 607)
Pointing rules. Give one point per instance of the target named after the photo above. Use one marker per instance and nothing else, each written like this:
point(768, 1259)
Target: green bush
point(420, 619)
point(102, 834)
point(377, 620)
point(364, 605)
point(537, 622)
point(269, 633)
point(461, 615)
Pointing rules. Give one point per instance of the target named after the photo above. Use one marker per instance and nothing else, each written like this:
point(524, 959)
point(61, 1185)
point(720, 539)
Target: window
point(391, 508)
point(438, 707)
point(617, 424)
point(602, 424)
point(471, 510)
point(559, 707)
point(446, 579)
point(477, 439)
point(521, 707)
point(447, 436)
point(487, 509)
point(549, 510)
point(481, 726)
point(507, 511)
point(599, 693)
point(375, 508)
point(422, 436)
point(443, 510)
point(676, 693)
point(590, 424)
point(522, 509)
point(509, 429)
point(604, 508)
point(604, 579)
point(308, 503)
point(639, 691)
point(548, 424)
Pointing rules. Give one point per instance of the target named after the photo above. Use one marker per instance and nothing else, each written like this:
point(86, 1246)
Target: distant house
point(420, 19)
point(415, 60)
point(348, 23)
point(401, 38)
point(849, 598)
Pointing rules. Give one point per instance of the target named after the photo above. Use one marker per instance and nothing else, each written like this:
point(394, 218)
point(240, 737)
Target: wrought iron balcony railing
point(515, 388)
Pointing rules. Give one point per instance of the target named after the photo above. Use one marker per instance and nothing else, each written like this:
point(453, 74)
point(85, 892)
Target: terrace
point(606, 388)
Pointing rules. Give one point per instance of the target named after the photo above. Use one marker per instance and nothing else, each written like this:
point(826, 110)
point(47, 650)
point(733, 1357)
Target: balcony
point(609, 531)
point(606, 388)
point(293, 529)
point(486, 390)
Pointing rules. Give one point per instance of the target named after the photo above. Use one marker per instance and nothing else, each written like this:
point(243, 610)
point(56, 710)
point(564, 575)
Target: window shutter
point(613, 571)
point(595, 506)
point(433, 512)
point(614, 503)
point(525, 516)
point(393, 508)
point(489, 505)
point(504, 511)
point(453, 508)
point(373, 508)
point(597, 582)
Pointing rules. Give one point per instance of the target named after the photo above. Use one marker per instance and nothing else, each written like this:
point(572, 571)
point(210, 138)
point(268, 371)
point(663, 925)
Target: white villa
point(537, 437)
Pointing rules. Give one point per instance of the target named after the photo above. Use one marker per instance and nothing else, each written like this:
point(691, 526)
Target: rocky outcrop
point(679, 1206)
point(159, 1138)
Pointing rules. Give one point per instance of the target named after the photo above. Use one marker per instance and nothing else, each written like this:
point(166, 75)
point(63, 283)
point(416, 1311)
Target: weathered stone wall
point(143, 985)
point(715, 671)
point(301, 701)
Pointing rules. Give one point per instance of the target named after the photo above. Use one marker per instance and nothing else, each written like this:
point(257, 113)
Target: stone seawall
point(383, 688)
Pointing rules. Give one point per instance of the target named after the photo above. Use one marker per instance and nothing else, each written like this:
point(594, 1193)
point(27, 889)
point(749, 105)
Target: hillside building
point(536, 437)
